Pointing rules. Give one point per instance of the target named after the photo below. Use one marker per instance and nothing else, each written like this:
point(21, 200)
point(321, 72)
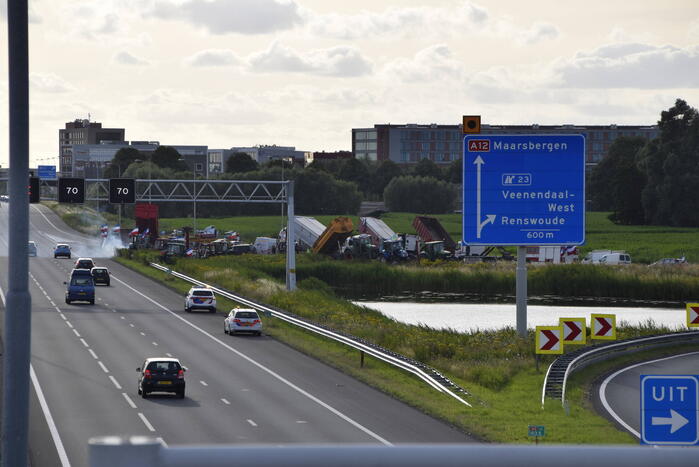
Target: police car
point(200, 298)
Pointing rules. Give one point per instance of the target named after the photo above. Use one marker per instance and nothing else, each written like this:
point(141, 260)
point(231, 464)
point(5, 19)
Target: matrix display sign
point(122, 190)
point(71, 190)
point(524, 190)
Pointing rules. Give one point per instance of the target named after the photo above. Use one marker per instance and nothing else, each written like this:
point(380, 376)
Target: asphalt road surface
point(240, 390)
point(619, 394)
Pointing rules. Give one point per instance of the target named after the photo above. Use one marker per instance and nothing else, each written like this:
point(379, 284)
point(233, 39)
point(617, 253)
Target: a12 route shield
point(524, 190)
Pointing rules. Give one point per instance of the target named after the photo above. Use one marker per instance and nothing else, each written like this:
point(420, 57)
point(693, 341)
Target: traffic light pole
point(17, 329)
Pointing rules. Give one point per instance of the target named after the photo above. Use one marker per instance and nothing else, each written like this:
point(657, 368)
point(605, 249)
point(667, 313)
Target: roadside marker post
point(693, 315)
point(549, 340)
point(602, 327)
point(670, 410)
point(574, 330)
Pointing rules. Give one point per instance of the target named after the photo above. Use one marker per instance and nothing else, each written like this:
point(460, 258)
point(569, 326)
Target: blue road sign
point(524, 190)
point(670, 409)
point(47, 171)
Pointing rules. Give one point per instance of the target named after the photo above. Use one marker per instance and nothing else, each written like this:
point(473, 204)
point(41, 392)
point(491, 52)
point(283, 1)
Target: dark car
point(61, 250)
point(161, 374)
point(84, 263)
point(81, 287)
point(100, 275)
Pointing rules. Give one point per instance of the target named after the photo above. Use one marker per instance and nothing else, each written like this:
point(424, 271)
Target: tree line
point(652, 182)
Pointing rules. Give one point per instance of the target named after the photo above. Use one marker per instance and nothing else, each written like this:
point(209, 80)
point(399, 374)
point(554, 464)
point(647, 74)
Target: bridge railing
point(148, 452)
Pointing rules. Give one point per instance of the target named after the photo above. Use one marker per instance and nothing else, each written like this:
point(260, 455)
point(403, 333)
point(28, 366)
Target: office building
point(443, 144)
point(82, 131)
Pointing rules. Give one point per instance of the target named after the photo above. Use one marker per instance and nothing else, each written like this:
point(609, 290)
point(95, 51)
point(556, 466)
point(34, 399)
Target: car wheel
point(108, 283)
point(139, 390)
point(259, 333)
point(144, 394)
point(67, 301)
point(181, 394)
point(92, 302)
point(213, 310)
point(225, 331)
point(188, 310)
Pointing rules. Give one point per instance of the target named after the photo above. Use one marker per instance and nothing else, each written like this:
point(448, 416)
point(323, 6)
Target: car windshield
point(81, 280)
point(99, 272)
point(84, 264)
point(202, 293)
point(246, 314)
point(164, 366)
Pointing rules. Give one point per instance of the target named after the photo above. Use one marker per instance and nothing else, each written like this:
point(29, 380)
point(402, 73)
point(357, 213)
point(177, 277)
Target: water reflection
point(465, 317)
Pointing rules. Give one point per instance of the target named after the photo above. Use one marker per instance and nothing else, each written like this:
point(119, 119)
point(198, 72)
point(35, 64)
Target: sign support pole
point(521, 291)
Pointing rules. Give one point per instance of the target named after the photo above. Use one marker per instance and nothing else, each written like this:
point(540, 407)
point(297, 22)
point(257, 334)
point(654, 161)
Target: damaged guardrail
point(429, 375)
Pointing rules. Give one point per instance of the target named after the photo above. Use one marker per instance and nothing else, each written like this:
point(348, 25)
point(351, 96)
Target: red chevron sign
point(573, 330)
point(548, 339)
point(603, 326)
point(692, 315)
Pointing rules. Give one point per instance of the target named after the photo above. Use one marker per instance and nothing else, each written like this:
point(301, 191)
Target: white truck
point(552, 254)
point(307, 230)
point(607, 257)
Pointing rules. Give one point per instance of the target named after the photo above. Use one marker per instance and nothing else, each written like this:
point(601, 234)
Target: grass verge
point(497, 368)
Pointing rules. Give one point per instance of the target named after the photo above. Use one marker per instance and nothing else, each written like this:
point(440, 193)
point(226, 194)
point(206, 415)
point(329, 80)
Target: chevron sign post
point(693, 315)
point(602, 327)
point(573, 330)
point(549, 340)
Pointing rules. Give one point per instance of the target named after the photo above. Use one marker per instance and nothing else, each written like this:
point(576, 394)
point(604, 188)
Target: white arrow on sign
point(490, 218)
point(675, 420)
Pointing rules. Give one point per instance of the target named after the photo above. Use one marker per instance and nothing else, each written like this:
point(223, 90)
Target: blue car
point(81, 287)
point(61, 250)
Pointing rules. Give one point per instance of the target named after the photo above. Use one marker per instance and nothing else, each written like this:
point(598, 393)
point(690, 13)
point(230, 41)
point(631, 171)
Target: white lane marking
point(69, 325)
point(94, 355)
point(251, 422)
point(113, 310)
point(225, 401)
point(143, 333)
point(131, 324)
point(128, 400)
point(60, 449)
point(63, 316)
point(203, 383)
point(104, 368)
point(301, 421)
point(168, 354)
point(115, 382)
point(122, 317)
point(146, 422)
point(162, 441)
point(51, 223)
point(84, 343)
point(605, 383)
point(155, 344)
point(62, 455)
point(244, 390)
point(76, 332)
point(265, 369)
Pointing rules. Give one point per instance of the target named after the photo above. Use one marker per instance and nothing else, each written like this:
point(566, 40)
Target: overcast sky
point(303, 73)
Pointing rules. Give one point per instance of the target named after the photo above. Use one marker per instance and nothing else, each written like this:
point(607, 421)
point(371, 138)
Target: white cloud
point(537, 33)
point(399, 20)
point(231, 16)
point(335, 61)
point(434, 63)
point(49, 82)
point(693, 30)
point(213, 58)
point(125, 58)
point(631, 65)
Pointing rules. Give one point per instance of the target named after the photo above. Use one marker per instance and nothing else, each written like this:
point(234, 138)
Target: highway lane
point(239, 389)
point(619, 397)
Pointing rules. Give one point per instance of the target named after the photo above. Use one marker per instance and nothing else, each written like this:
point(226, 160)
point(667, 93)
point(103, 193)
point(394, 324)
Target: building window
point(198, 167)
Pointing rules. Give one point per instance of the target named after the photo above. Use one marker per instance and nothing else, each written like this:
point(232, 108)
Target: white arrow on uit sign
point(675, 420)
point(490, 218)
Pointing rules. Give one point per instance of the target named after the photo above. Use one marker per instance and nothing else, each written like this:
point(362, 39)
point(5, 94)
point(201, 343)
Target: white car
point(242, 320)
point(200, 298)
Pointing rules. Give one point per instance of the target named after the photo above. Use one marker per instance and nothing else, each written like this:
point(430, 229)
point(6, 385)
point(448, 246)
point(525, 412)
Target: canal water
point(465, 317)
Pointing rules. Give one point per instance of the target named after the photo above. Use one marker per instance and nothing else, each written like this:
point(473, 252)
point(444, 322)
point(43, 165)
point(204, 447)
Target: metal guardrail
point(561, 368)
point(427, 374)
point(142, 451)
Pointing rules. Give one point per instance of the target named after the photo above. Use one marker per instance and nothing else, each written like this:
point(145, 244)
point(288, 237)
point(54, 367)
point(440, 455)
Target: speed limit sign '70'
point(122, 190)
point(71, 190)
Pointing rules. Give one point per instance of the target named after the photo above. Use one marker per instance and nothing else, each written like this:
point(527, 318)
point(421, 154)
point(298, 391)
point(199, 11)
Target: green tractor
point(434, 251)
point(359, 246)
